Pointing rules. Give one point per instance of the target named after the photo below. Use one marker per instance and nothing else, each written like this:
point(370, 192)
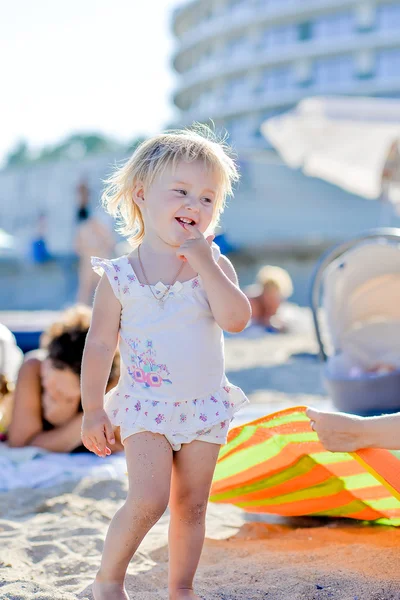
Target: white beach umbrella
point(351, 142)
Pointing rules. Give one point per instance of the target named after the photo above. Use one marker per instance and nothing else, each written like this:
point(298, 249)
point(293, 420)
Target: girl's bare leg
point(192, 472)
point(149, 460)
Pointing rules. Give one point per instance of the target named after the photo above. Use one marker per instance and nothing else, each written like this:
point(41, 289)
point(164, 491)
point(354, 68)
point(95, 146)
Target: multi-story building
point(243, 61)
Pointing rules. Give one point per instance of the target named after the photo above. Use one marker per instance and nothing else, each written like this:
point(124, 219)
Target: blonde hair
point(151, 158)
point(271, 276)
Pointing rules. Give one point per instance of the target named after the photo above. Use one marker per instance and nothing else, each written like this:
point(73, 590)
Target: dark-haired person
point(47, 410)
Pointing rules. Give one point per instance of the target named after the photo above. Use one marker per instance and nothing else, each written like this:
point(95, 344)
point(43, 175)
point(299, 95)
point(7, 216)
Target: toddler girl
point(166, 303)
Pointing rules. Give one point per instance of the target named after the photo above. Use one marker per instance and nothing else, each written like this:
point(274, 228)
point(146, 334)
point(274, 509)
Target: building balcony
point(182, 12)
point(245, 103)
point(239, 19)
point(252, 59)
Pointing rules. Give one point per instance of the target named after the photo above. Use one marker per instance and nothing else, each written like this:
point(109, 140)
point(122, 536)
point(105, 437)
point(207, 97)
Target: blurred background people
point(11, 358)
point(273, 286)
point(93, 238)
point(39, 250)
point(46, 402)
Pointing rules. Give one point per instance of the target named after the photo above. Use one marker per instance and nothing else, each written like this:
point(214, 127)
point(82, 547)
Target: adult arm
point(26, 420)
point(346, 433)
point(60, 439)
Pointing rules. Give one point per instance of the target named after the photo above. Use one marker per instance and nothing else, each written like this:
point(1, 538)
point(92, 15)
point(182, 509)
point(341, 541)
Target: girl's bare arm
point(100, 346)
point(101, 343)
point(229, 305)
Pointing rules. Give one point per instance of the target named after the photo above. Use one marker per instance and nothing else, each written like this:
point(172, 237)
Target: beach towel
point(31, 467)
point(277, 465)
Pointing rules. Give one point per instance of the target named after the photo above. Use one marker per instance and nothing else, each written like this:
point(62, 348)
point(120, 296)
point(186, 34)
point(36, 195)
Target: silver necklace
point(161, 299)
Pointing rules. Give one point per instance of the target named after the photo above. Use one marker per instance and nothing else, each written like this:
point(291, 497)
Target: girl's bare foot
point(186, 594)
point(109, 591)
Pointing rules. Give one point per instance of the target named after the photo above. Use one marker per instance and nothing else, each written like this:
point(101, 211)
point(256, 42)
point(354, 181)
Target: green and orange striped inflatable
point(277, 465)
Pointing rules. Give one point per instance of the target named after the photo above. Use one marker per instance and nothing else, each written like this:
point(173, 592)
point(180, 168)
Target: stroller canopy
point(362, 304)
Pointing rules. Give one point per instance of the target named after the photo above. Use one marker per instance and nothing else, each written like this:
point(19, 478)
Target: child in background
point(273, 286)
point(167, 302)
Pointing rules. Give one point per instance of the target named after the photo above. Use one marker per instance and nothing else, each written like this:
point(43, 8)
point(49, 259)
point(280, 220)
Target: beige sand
point(51, 539)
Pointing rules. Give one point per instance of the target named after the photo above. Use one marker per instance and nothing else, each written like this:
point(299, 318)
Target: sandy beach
point(51, 538)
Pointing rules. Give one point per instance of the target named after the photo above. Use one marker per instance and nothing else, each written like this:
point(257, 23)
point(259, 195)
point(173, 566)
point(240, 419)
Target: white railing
point(242, 17)
point(286, 98)
point(254, 58)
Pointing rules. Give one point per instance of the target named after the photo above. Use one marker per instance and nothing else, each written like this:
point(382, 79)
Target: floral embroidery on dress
point(227, 388)
point(144, 369)
point(195, 283)
point(117, 268)
point(131, 278)
point(125, 289)
point(182, 418)
point(138, 406)
point(203, 417)
point(159, 418)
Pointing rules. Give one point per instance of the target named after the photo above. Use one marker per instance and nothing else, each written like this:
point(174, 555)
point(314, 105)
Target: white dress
point(172, 377)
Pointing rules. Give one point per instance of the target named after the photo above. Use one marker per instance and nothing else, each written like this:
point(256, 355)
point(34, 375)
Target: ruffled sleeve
point(216, 251)
point(112, 270)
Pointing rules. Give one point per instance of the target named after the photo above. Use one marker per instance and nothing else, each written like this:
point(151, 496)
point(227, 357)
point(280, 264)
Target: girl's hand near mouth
point(196, 250)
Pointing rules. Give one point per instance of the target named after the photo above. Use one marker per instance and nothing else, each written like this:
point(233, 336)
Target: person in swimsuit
point(47, 410)
point(274, 286)
point(167, 303)
point(93, 237)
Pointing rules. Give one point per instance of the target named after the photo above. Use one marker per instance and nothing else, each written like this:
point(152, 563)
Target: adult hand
point(338, 432)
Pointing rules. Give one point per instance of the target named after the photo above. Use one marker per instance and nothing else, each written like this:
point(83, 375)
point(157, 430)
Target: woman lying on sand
point(339, 432)
point(47, 410)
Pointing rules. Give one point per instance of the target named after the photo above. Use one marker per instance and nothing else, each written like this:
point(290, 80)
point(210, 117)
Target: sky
point(71, 66)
